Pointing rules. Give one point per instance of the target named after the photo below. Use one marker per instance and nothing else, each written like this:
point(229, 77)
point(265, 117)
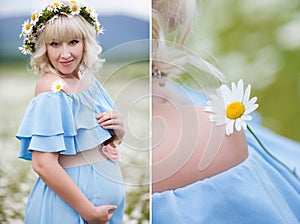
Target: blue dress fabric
point(258, 190)
point(67, 124)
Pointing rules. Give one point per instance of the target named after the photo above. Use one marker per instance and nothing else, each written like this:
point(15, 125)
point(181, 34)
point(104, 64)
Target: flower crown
point(31, 30)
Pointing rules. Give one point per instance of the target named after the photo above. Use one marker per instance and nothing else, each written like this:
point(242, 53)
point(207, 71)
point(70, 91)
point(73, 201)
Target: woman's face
point(66, 57)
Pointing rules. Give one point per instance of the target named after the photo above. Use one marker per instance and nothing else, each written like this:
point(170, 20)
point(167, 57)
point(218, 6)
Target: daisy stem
point(270, 154)
point(72, 97)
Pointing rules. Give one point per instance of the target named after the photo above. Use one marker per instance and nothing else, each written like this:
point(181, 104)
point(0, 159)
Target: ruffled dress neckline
point(57, 122)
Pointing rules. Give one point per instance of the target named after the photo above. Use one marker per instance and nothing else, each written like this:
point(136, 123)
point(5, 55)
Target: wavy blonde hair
point(62, 29)
point(171, 24)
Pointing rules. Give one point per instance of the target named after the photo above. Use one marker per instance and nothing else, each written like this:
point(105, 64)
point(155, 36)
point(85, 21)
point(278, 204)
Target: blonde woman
point(201, 172)
point(70, 126)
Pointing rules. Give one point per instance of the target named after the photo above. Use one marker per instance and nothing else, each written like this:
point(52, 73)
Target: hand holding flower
point(112, 120)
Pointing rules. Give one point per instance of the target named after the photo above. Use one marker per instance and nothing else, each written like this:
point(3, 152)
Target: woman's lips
point(66, 63)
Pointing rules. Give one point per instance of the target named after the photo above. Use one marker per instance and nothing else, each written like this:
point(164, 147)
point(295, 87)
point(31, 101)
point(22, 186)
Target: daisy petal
point(251, 102)
point(246, 117)
point(247, 94)
point(244, 124)
point(251, 109)
point(207, 109)
point(229, 127)
point(238, 124)
point(239, 91)
point(226, 94)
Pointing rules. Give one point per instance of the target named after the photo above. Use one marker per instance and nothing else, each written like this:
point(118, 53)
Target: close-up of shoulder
point(45, 82)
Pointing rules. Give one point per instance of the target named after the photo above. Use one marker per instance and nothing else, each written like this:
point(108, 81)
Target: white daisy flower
point(25, 49)
point(41, 28)
point(26, 28)
point(30, 39)
point(99, 30)
point(75, 7)
point(57, 86)
point(56, 4)
point(232, 106)
point(93, 14)
point(34, 17)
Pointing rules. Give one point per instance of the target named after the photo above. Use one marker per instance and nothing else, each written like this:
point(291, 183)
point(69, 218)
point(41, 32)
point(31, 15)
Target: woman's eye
point(74, 42)
point(54, 44)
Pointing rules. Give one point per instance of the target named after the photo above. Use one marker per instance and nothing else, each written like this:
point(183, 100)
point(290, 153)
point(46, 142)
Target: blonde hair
point(66, 28)
point(171, 24)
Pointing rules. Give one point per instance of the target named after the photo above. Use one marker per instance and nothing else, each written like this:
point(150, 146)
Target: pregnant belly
point(102, 182)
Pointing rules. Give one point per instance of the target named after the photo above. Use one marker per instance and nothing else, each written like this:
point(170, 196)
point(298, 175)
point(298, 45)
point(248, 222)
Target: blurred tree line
point(259, 41)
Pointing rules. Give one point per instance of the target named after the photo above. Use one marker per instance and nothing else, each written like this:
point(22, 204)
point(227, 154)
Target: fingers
point(105, 116)
point(110, 152)
point(110, 120)
point(108, 115)
point(110, 211)
point(111, 208)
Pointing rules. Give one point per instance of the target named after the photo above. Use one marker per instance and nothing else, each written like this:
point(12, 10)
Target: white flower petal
point(233, 88)
point(239, 94)
point(238, 124)
point(247, 94)
point(244, 124)
point(250, 102)
point(217, 117)
point(251, 109)
point(207, 109)
point(218, 108)
point(229, 127)
point(220, 122)
point(226, 94)
point(246, 117)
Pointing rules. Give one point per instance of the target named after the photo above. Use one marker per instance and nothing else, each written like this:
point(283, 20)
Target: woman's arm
point(47, 167)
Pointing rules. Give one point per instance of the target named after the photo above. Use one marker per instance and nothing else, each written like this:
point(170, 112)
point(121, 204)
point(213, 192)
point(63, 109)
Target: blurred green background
point(259, 41)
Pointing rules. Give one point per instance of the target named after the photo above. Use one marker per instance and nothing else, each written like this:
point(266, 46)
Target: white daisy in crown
point(39, 20)
point(75, 7)
point(34, 17)
point(26, 28)
point(231, 107)
point(25, 49)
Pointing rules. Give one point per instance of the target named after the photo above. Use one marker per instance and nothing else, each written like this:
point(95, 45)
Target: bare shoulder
point(45, 82)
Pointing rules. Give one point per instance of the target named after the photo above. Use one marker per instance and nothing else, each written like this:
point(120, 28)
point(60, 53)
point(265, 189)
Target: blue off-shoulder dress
point(257, 191)
point(57, 122)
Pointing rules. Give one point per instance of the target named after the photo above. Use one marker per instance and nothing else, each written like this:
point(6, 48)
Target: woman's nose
point(65, 52)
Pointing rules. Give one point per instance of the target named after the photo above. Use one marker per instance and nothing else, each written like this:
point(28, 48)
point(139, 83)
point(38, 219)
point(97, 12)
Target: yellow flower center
point(26, 47)
point(56, 3)
point(235, 110)
point(58, 87)
point(89, 11)
point(27, 26)
point(74, 8)
point(97, 27)
point(33, 16)
point(73, 2)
